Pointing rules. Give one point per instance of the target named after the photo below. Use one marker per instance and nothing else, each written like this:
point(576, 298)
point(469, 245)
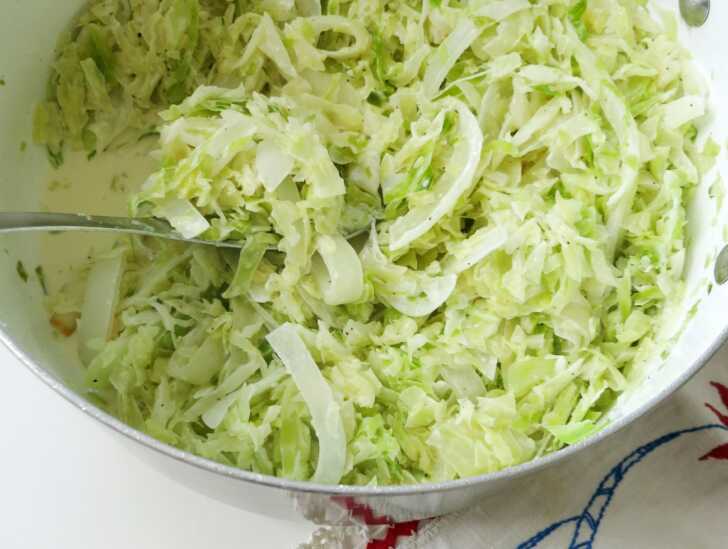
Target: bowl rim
point(345, 490)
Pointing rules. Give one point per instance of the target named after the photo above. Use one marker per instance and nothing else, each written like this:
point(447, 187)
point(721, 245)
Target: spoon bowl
point(695, 12)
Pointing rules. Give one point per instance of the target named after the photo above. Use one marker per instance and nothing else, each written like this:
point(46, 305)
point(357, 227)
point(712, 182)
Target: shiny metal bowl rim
point(365, 491)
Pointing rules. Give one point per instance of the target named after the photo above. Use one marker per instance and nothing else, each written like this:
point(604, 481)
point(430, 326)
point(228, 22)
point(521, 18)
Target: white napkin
point(662, 482)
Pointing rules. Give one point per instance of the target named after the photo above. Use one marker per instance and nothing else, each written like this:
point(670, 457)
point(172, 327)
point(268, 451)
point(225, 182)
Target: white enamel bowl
point(28, 31)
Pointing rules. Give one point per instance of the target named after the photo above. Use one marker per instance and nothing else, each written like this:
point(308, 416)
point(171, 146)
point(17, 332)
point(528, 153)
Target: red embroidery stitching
point(396, 531)
point(722, 391)
point(367, 516)
point(361, 511)
point(720, 452)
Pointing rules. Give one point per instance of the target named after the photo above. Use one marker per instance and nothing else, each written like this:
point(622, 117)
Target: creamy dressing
point(99, 186)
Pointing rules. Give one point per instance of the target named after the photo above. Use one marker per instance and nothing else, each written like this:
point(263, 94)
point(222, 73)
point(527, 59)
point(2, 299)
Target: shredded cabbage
point(462, 223)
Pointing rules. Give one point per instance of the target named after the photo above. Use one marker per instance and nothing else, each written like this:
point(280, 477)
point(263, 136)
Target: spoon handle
point(42, 221)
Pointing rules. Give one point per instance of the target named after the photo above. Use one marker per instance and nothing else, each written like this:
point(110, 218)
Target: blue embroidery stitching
point(588, 522)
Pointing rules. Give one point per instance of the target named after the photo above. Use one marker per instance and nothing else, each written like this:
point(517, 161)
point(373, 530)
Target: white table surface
point(65, 483)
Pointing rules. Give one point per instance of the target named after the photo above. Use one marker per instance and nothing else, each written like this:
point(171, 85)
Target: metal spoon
point(37, 221)
point(695, 12)
point(11, 222)
point(721, 267)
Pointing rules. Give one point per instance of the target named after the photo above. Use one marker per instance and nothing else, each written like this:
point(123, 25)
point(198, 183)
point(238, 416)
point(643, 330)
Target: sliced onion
point(456, 180)
point(324, 409)
point(99, 305)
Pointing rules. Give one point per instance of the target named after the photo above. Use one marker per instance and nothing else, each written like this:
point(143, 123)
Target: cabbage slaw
point(463, 222)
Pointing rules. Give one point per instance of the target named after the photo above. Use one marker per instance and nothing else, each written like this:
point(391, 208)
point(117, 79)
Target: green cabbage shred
point(462, 223)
